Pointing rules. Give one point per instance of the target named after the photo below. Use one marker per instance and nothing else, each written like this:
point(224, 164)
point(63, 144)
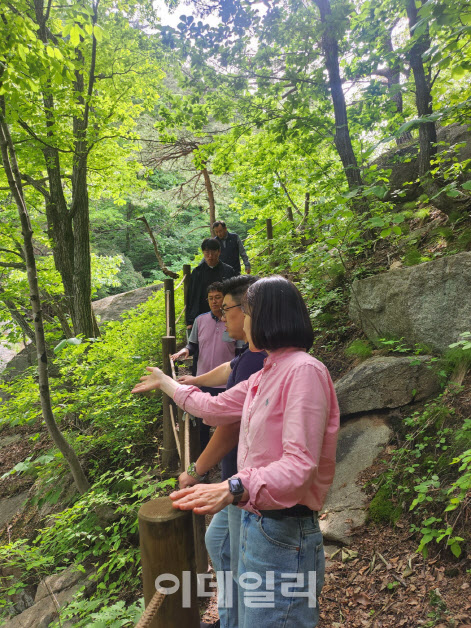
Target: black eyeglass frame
point(225, 309)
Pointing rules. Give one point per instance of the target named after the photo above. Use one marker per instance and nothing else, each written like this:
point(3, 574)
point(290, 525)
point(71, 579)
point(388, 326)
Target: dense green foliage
point(116, 434)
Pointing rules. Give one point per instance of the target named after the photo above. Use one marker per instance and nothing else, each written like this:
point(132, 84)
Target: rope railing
point(151, 610)
point(180, 315)
point(181, 282)
point(175, 433)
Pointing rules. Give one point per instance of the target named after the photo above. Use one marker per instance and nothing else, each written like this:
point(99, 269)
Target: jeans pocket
point(284, 533)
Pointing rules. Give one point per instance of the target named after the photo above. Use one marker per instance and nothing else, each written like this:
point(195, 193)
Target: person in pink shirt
point(289, 421)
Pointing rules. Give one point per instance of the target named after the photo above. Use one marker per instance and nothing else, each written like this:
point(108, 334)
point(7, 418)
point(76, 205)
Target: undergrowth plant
point(77, 536)
point(430, 475)
point(117, 436)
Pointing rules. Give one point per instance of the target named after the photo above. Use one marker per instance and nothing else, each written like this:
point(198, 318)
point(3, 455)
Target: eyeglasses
point(224, 309)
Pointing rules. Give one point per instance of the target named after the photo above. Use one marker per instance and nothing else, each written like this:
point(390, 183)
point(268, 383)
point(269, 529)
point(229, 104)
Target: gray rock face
point(404, 164)
point(53, 593)
point(11, 506)
point(429, 303)
point(58, 582)
point(111, 308)
point(360, 441)
point(386, 382)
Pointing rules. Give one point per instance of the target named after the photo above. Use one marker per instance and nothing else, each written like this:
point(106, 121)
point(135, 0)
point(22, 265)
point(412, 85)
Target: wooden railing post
point(189, 435)
point(166, 543)
point(169, 306)
point(186, 282)
point(269, 229)
point(169, 448)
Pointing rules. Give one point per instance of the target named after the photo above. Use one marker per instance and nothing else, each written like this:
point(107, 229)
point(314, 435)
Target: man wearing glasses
point(222, 536)
point(210, 340)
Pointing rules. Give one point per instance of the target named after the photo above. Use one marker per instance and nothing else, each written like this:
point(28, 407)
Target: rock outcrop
point(429, 303)
point(111, 308)
point(403, 160)
point(52, 594)
point(360, 441)
point(386, 382)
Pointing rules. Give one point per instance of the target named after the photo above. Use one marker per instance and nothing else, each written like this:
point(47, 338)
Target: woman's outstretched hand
point(150, 382)
point(203, 499)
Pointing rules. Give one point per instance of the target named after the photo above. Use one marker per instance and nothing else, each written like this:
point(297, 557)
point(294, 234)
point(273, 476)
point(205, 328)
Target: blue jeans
point(285, 558)
point(222, 543)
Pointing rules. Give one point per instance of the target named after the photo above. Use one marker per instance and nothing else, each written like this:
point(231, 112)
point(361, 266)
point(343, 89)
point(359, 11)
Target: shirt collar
point(279, 355)
point(214, 317)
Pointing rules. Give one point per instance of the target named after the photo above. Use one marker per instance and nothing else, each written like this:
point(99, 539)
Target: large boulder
point(111, 308)
point(360, 441)
point(429, 303)
point(386, 382)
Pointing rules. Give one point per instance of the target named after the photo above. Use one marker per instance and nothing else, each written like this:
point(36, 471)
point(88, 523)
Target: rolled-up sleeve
point(223, 409)
point(306, 400)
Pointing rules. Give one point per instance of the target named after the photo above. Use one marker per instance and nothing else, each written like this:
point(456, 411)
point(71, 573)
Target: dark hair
point(216, 286)
point(236, 287)
point(279, 315)
point(210, 244)
point(219, 223)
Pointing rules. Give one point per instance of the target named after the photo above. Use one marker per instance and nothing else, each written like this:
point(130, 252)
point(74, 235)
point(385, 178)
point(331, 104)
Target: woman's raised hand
point(151, 381)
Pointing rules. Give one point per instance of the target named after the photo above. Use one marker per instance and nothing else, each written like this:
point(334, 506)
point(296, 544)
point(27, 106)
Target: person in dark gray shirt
point(232, 248)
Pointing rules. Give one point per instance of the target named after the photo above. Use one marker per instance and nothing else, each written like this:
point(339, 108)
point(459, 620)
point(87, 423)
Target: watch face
point(235, 486)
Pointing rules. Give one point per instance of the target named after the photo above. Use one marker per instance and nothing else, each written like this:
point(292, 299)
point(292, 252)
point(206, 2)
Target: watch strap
point(194, 474)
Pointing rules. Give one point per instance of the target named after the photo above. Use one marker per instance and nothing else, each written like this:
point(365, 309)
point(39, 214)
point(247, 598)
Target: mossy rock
point(382, 509)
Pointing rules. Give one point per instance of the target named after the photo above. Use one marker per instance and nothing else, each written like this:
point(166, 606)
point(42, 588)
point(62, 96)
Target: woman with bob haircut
point(289, 421)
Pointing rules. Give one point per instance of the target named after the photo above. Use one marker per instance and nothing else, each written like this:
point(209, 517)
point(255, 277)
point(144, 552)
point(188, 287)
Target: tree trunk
point(342, 138)
point(59, 220)
point(212, 205)
point(14, 181)
point(159, 257)
point(69, 229)
point(423, 94)
point(393, 76)
point(80, 206)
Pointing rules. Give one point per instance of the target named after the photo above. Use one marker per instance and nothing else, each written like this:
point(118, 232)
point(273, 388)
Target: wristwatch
point(194, 474)
point(236, 489)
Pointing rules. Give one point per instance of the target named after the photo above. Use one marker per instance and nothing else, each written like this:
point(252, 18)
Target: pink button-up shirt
point(288, 434)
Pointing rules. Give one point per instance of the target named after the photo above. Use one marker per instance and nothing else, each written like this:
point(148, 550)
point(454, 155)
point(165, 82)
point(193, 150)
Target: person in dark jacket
point(232, 248)
point(208, 271)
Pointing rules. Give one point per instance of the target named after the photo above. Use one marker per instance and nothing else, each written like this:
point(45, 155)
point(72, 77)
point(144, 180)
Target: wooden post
point(166, 543)
point(269, 229)
point(186, 283)
point(170, 306)
point(189, 434)
point(169, 448)
point(269, 234)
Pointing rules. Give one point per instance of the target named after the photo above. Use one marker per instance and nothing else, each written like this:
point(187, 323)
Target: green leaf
point(466, 185)
point(379, 190)
point(376, 221)
point(98, 32)
point(75, 35)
